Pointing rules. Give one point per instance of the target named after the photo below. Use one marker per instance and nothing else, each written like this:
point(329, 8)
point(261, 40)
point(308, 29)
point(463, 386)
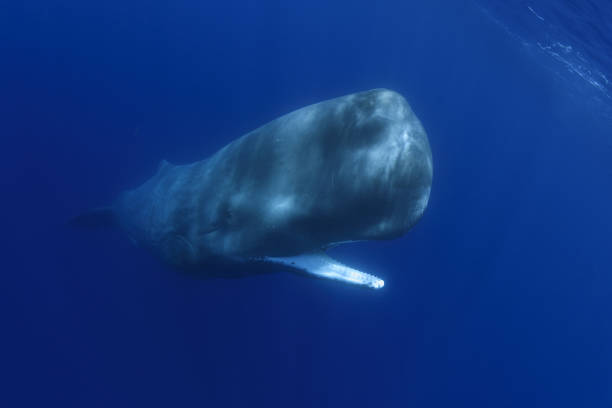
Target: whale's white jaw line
point(321, 265)
point(378, 284)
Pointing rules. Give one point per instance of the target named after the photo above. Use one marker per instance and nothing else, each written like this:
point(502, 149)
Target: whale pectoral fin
point(321, 265)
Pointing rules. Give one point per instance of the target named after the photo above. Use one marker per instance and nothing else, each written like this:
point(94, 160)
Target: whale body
point(353, 168)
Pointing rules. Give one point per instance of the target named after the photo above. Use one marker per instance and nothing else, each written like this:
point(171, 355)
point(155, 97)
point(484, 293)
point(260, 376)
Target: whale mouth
point(321, 265)
point(377, 284)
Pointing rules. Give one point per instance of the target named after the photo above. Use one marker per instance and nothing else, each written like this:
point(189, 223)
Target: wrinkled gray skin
point(357, 167)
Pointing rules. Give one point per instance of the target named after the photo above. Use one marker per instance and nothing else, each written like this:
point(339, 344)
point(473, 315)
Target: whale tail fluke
point(102, 217)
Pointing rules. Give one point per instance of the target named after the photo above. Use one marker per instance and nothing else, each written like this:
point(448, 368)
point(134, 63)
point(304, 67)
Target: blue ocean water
point(500, 296)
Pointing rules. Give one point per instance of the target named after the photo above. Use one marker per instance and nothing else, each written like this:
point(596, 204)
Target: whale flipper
point(321, 265)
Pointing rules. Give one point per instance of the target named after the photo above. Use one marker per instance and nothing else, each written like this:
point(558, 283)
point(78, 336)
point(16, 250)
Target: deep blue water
point(500, 297)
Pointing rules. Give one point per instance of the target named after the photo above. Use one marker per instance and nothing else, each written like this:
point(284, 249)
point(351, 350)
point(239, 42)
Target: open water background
point(500, 297)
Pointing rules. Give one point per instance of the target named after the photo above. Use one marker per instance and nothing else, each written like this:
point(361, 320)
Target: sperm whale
point(358, 167)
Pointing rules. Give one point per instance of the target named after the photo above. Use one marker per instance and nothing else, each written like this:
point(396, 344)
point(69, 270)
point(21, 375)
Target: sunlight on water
point(576, 39)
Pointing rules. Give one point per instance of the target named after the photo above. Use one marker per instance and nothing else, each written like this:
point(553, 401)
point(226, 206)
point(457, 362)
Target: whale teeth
point(377, 284)
point(321, 265)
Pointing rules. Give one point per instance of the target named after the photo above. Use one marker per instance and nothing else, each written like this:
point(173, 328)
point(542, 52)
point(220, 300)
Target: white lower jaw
point(321, 265)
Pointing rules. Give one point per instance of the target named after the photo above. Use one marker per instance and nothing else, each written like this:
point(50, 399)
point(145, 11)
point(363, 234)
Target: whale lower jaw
point(321, 265)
